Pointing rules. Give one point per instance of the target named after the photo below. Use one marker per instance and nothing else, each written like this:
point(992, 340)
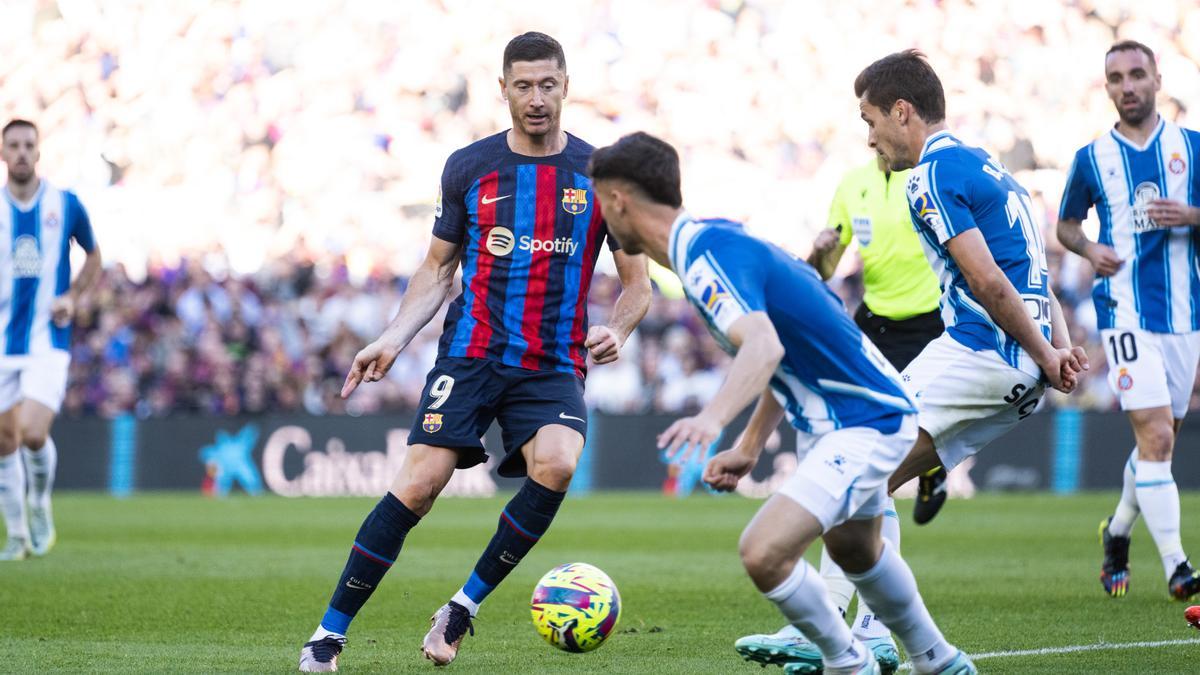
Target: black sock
point(524, 520)
point(375, 549)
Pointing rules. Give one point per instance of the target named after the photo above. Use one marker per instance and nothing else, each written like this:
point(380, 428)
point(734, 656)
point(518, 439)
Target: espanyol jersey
point(531, 231)
point(1158, 287)
point(35, 267)
point(831, 375)
point(955, 188)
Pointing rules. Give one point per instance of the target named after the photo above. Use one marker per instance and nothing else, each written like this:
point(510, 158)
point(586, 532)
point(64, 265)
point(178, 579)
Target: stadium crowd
point(262, 182)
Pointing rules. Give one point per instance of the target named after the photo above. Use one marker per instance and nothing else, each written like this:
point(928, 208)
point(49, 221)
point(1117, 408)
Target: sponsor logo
point(574, 201)
point(509, 559)
point(928, 212)
point(437, 205)
point(561, 245)
point(500, 241)
point(862, 229)
point(27, 257)
point(432, 423)
point(1176, 165)
point(358, 584)
point(837, 463)
point(565, 416)
point(914, 184)
point(713, 293)
point(1142, 196)
point(228, 461)
point(492, 200)
point(1124, 380)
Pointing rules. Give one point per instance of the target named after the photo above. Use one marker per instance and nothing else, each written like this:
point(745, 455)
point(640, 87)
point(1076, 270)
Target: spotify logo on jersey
point(500, 241)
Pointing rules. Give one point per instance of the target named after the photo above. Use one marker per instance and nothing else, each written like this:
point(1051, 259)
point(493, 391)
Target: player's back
point(1158, 289)
point(531, 232)
point(35, 267)
point(955, 188)
point(831, 375)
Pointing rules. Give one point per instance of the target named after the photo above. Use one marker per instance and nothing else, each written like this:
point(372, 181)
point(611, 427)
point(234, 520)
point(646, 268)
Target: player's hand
point(826, 241)
point(1060, 370)
point(370, 365)
point(1170, 213)
point(726, 468)
point(1104, 259)
point(62, 310)
point(603, 344)
point(689, 435)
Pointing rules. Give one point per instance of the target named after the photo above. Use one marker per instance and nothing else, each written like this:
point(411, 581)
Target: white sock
point(867, 625)
point(463, 599)
point(39, 469)
point(804, 601)
point(1158, 497)
point(841, 591)
point(891, 590)
point(12, 495)
point(321, 633)
point(1127, 509)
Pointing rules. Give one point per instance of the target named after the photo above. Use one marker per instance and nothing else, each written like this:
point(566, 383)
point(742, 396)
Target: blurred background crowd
point(261, 179)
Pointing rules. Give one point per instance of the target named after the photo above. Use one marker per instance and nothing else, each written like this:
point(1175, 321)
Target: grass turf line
point(180, 583)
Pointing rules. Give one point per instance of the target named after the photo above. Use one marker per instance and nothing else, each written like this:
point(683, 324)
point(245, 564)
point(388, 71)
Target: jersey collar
point(1149, 141)
point(26, 206)
point(679, 258)
point(944, 133)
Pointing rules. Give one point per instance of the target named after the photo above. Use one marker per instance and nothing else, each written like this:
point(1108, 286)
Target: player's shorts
point(463, 396)
point(966, 398)
point(899, 340)
point(843, 474)
point(36, 377)
point(1149, 370)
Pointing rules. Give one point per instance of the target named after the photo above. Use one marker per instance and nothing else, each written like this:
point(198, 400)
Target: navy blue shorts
point(463, 396)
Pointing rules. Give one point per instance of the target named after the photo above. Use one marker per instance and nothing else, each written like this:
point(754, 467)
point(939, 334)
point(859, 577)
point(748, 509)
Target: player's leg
point(771, 549)
point(41, 460)
point(544, 422)
point(422, 476)
point(12, 469)
point(885, 582)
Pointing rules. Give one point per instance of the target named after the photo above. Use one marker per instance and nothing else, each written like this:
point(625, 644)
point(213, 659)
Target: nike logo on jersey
point(485, 199)
point(565, 416)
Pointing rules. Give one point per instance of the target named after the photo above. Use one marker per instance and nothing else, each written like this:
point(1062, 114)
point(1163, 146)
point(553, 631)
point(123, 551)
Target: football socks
point(39, 467)
point(1158, 498)
point(1127, 509)
point(804, 602)
point(12, 495)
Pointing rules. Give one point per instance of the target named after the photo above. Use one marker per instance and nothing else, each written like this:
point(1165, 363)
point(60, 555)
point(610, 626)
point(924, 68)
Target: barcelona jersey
point(530, 231)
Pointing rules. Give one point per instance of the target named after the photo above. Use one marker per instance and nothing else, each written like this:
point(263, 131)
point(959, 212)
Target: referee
point(899, 311)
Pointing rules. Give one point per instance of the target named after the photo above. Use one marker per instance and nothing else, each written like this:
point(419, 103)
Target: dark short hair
point(533, 46)
point(1132, 45)
point(907, 76)
point(649, 163)
point(16, 123)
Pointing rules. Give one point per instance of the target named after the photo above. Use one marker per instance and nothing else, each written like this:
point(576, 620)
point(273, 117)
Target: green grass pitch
point(169, 583)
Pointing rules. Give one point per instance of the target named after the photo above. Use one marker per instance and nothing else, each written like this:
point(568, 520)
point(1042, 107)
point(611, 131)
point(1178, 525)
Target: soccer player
point(1143, 180)
point(37, 304)
point(899, 313)
point(518, 210)
point(797, 351)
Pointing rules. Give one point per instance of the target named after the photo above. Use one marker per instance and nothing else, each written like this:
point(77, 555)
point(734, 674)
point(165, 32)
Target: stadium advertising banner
point(314, 456)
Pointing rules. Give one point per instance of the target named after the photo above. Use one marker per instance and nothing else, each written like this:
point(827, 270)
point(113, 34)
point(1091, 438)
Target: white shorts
point(843, 474)
point(1149, 370)
point(967, 399)
point(37, 377)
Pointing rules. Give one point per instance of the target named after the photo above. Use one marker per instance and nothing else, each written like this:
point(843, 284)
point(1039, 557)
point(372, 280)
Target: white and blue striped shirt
point(35, 268)
point(1158, 287)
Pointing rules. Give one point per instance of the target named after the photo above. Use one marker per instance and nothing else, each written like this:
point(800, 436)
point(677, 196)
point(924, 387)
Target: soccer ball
point(575, 607)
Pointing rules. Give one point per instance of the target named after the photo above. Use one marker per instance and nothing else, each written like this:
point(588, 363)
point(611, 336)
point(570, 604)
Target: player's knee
point(1155, 441)
point(766, 563)
point(34, 439)
point(553, 470)
point(854, 555)
point(418, 496)
point(9, 442)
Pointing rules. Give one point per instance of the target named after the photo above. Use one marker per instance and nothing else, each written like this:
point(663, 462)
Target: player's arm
point(605, 342)
point(1103, 258)
point(759, 352)
point(1002, 302)
point(726, 468)
point(427, 290)
point(827, 250)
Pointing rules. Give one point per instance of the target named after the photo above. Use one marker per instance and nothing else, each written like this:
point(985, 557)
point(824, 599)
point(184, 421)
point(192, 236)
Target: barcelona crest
point(574, 201)
point(432, 423)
